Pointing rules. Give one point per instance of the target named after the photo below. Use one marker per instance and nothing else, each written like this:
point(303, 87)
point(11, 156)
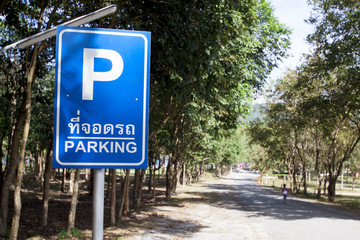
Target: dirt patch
point(159, 217)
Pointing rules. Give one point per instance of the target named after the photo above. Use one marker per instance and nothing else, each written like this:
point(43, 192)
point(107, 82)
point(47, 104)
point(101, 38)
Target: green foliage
point(337, 33)
point(207, 59)
point(76, 233)
point(353, 164)
point(40, 135)
point(63, 234)
point(215, 55)
point(336, 64)
point(337, 47)
point(312, 123)
point(6, 235)
point(230, 149)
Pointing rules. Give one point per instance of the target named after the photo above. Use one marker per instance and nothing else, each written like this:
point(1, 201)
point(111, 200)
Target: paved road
point(248, 211)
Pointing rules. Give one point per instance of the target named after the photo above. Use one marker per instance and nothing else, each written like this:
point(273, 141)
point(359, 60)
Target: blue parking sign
point(101, 98)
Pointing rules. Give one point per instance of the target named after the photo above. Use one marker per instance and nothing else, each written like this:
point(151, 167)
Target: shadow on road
point(244, 194)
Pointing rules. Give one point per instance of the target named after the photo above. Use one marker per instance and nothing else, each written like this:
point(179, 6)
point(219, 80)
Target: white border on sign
point(58, 98)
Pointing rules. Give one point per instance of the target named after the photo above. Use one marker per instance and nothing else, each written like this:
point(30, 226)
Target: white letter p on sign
point(89, 74)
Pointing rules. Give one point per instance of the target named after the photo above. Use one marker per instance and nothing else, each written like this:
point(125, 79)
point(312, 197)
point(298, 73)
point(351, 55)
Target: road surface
point(237, 208)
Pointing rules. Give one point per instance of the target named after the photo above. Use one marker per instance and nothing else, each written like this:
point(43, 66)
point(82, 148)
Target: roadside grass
point(346, 198)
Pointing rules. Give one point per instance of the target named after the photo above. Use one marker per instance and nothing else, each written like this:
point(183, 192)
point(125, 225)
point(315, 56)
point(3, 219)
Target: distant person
point(284, 192)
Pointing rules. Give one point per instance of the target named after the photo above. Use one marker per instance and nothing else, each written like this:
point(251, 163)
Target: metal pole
point(26, 42)
point(98, 205)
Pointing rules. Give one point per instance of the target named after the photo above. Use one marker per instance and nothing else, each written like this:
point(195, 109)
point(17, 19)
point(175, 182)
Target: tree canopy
point(207, 59)
point(313, 116)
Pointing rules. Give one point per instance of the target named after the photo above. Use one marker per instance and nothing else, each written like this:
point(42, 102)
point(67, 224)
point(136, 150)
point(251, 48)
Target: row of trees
point(206, 59)
point(313, 118)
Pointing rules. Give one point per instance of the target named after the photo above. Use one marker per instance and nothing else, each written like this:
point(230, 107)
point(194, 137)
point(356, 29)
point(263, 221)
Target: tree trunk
point(108, 183)
point(17, 201)
point(331, 189)
point(39, 171)
point(318, 195)
point(57, 173)
point(20, 170)
point(342, 181)
point(154, 185)
point(1, 163)
point(294, 173)
point(86, 174)
point(176, 176)
point(353, 179)
point(150, 177)
point(325, 181)
point(189, 179)
point(332, 184)
point(138, 188)
point(12, 164)
point(163, 170)
point(169, 181)
point(113, 198)
point(63, 180)
point(72, 181)
point(126, 190)
point(28, 92)
point(291, 176)
point(123, 192)
point(73, 204)
point(304, 179)
point(91, 182)
point(46, 195)
point(183, 173)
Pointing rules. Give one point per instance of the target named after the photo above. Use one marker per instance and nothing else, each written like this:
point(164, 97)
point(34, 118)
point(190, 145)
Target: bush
point(75, 232)
point(63, 234)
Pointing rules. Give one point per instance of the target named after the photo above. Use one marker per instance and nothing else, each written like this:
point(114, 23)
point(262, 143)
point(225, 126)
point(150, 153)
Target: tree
point(207, 57)
point(73, 203)
point(353, 165)
point(276, 136)
point(336, 36)
point(320, 121)
point(337, 50)
point(19, 17)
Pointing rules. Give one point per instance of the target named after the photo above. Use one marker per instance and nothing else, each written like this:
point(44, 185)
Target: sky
point(293, 14)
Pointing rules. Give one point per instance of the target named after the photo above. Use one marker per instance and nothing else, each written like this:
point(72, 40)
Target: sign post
point(98, 204)
point(101, 104)
point(26, 42)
